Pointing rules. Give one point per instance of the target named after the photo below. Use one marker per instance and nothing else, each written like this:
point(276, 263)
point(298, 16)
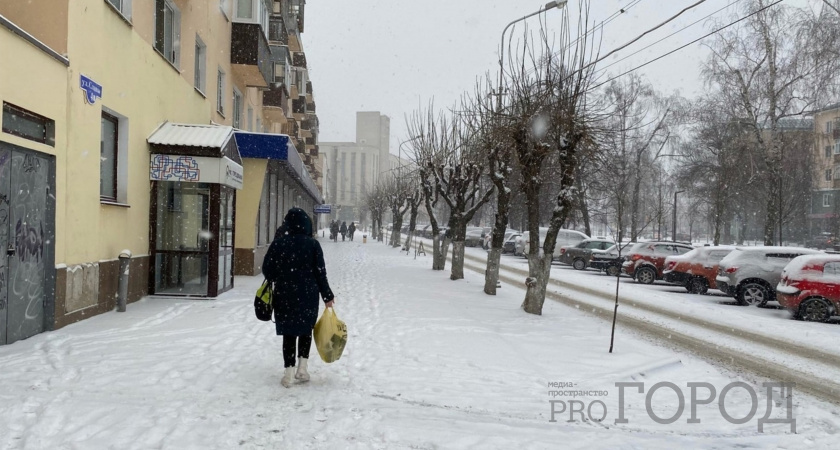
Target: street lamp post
point(399, 168)
point(674, 236)
point(549, 5)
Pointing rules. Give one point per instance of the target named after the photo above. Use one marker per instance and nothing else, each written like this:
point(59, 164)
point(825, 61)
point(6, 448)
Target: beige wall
point(248, 201)
point(46, 20)
point(34, 68)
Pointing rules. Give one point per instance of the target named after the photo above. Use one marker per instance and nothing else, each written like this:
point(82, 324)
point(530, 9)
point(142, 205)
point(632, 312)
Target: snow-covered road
point(430, 363)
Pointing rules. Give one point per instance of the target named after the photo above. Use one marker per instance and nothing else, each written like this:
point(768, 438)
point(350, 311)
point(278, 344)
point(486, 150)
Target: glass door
point(226, 210)
point(182, 238)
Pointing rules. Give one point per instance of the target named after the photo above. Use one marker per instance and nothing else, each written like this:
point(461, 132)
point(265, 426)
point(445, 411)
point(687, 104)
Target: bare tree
point(548, 96)
point(770, 67)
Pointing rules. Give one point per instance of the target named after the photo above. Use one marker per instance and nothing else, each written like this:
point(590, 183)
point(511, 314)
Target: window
point(826, 200)
point(836, 172)
point(108, 149)
point(837, 148)
point(200, 64)
point(168, 31)
point(220, 92)
point(827, 174)
point(828, 151)
point(828, 127)
point(244, 9)
point(122, 6)
point(237, 109)
point(832, 269)
point(28, 125)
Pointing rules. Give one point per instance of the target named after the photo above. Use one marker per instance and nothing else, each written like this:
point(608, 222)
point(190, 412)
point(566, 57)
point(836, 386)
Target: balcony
point(299, 60)
point(277, 33)
point(276, 104)
point(835, 132)
point(299, 108)
point(250, 55)
point(310, 107)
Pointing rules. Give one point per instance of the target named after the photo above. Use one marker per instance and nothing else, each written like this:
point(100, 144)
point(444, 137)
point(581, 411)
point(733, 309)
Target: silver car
point(750, 274)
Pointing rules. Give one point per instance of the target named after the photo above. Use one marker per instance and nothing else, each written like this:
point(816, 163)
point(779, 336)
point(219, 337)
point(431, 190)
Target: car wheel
point(697, 285)
point(645, 275)
point(753, 294)
point(579, 264)
point(815, 310)
point(613, 271)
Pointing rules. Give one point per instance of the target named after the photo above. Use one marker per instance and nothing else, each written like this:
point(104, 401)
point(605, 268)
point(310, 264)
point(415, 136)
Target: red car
point(697, 269)
point(810, 287)
point(646, 260)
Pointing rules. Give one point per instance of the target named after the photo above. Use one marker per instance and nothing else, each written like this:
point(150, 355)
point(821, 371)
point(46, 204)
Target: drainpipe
point(122, 292)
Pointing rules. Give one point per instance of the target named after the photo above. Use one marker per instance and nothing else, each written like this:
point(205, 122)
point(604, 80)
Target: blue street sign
point(323, 209)
point(91, 88)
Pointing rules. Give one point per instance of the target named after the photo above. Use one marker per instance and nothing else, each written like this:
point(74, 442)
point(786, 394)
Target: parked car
point(810, 287)
point(474, 237)
point(579, 256)
point(564, 238)
point(488, 237)
point(509, 245)
point(697, 269)
point(823, 241)
point(645, 261)
point(519, 245)
point(750, 273)
point(610, 261)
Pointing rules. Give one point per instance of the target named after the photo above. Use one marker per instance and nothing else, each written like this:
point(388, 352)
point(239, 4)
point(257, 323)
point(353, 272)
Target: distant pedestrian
point(351, 230)
point(334, 231)
point(343, 230)
point(295, 265)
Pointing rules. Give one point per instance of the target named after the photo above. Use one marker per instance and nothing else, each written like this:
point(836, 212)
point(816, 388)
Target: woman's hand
point(329, 304)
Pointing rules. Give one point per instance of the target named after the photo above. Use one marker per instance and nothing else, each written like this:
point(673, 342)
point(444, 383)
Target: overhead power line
point(670, 35)
point(686, 45)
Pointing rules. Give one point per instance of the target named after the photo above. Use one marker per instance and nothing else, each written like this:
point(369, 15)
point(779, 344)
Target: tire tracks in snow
point(710, 349)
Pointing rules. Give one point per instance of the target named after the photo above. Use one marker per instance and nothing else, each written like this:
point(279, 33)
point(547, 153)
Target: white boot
point(288, 377)
point(302, 374)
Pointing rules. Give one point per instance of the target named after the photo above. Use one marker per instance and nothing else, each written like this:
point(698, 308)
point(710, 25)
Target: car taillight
point(562, 251)
point(670, 265)
point(731, 270)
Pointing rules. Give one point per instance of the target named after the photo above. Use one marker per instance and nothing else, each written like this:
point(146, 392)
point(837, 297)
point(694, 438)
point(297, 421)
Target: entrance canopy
point(196, 154)
point(280, 148)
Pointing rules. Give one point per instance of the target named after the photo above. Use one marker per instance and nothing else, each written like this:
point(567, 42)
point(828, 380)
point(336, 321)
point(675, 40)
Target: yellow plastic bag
point(330, 336)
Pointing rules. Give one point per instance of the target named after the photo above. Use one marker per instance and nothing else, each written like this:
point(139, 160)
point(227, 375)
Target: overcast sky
point(394, 55)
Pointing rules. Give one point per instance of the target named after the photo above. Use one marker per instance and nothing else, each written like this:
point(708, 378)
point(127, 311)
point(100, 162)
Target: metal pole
point(122, 290)
point(548, 6)
point(674, 235)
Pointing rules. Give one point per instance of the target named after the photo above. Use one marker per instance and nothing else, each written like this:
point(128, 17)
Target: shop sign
point(196, 169)
point(92, 89)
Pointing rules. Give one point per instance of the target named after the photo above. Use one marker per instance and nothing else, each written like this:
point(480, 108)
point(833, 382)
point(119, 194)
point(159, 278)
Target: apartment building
point(147, 129)
point(825, 200)
point(356, 166)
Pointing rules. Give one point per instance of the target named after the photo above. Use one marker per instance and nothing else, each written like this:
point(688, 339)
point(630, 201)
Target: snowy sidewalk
point(430, 363)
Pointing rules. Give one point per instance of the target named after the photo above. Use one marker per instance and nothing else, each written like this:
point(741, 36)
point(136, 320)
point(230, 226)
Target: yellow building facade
point(110, 108)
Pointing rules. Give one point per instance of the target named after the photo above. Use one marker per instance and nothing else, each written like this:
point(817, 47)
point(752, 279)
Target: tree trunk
point(412, 222)
point(438, 259)
point(457, 272)
point(539, 270)
point(491, 276)
point(444, 249)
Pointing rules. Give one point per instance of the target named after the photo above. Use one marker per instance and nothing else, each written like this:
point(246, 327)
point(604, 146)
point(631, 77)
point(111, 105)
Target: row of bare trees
point(579, 150)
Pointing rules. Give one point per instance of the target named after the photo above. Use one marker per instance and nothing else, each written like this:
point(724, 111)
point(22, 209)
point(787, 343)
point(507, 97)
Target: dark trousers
point(351, 235)
point(304, 343)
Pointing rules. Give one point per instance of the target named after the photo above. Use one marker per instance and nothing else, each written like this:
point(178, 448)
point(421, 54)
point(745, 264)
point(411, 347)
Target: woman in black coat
point(295, 264)
point(343, 230)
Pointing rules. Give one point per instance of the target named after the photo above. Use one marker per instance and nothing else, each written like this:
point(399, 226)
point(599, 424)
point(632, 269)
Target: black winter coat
point(295, 264)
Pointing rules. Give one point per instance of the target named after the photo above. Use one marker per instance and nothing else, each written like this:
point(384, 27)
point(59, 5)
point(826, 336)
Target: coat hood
point(297, 222)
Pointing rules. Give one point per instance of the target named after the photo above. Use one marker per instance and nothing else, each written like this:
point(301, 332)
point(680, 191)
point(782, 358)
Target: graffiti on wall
point(178, 168)
point(29, 241)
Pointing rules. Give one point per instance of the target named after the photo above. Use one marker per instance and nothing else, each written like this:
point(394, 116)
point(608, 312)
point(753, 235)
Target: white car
point(564, 238)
